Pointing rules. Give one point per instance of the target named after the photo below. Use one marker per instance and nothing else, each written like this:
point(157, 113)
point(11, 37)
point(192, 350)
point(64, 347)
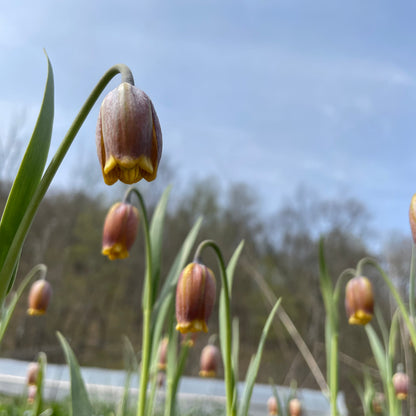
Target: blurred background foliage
point(95, 301)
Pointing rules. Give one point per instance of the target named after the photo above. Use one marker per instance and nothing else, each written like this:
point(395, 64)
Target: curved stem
point(227, 354)
point(56, 161)
point(146, 308)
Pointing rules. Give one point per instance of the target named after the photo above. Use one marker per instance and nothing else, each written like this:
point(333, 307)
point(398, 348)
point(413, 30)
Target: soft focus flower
point(272, 406)
point(359, 301)
point(378, 402)
point(128, 136)
point(120, 229)
point(188, 339)
point(31, 393)
point(295, 408)
point(412, 217)
point(39, 297)
point(195, 297)
point(210, 358)
point(32, 373)
point(401, 384)
point(163, 352)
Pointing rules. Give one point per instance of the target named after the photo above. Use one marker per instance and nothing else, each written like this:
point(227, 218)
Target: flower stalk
point(226, 340)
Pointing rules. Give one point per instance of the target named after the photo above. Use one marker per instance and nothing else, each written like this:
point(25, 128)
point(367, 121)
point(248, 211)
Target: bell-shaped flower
point(32, 373)
point(412, 217)
point(163, 352)
point(272, 406)
point(120, 230)
point(378, 402)
point(39, 297)
point(128, 136)
point(209, 362)
point(401, 385)
point(195, 298)
point(359, 301)
point(295, 407)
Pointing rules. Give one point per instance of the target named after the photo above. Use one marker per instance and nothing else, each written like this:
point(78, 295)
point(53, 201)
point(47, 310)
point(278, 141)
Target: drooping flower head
point(195, 298)
point(209, 362)
point(295, 407)
point(32, 373)
point(359, 301)
point(401, 385)
point(128, 136)
point(39, 297)
point(272, 406)
point(120, 230)
point(412, 217)
point(163, 352)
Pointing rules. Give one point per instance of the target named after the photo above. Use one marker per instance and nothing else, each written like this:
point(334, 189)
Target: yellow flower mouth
point(401, 396)
point(207, 374)
point(196, 325)
point(128, 170)
point(360, 318)
point(117, 251)
point(35, 312)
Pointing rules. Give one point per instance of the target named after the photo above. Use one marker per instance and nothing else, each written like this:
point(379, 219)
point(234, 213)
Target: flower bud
point(359, 301)
point(120, 229)
point(195, 297)
point(295, 408)
point(39, 297)
point(210, 358)
point(163, 352)
point(412, 217)
point(401, 385)
point(128, 136)
point(272, 406)
point(32, 373)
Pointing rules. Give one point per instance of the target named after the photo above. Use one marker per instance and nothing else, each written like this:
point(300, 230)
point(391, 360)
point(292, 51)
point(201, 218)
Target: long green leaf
point(230, 277)
point(255, 364)
point(156, 237)
point(81, 405)
point(26, 182)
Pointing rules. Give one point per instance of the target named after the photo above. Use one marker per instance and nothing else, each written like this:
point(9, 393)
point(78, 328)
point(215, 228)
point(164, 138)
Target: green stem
point(146, 308)
point(333, 381)
point(56, 161)
point(227, 353)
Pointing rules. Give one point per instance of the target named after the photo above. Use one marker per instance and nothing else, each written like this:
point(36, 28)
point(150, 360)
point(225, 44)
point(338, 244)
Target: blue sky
point(276, 94)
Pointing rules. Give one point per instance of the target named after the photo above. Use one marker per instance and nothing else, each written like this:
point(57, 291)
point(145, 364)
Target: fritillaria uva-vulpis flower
point(195, 298)
point(359, 301)
point(272, 406)
point(120, 230)
point(128, 136)
point(401, 385)
point(295, 407)
point(32, 373)
point(210, 358)
point(412, 217)
point(163, 352)
point(39, 297)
